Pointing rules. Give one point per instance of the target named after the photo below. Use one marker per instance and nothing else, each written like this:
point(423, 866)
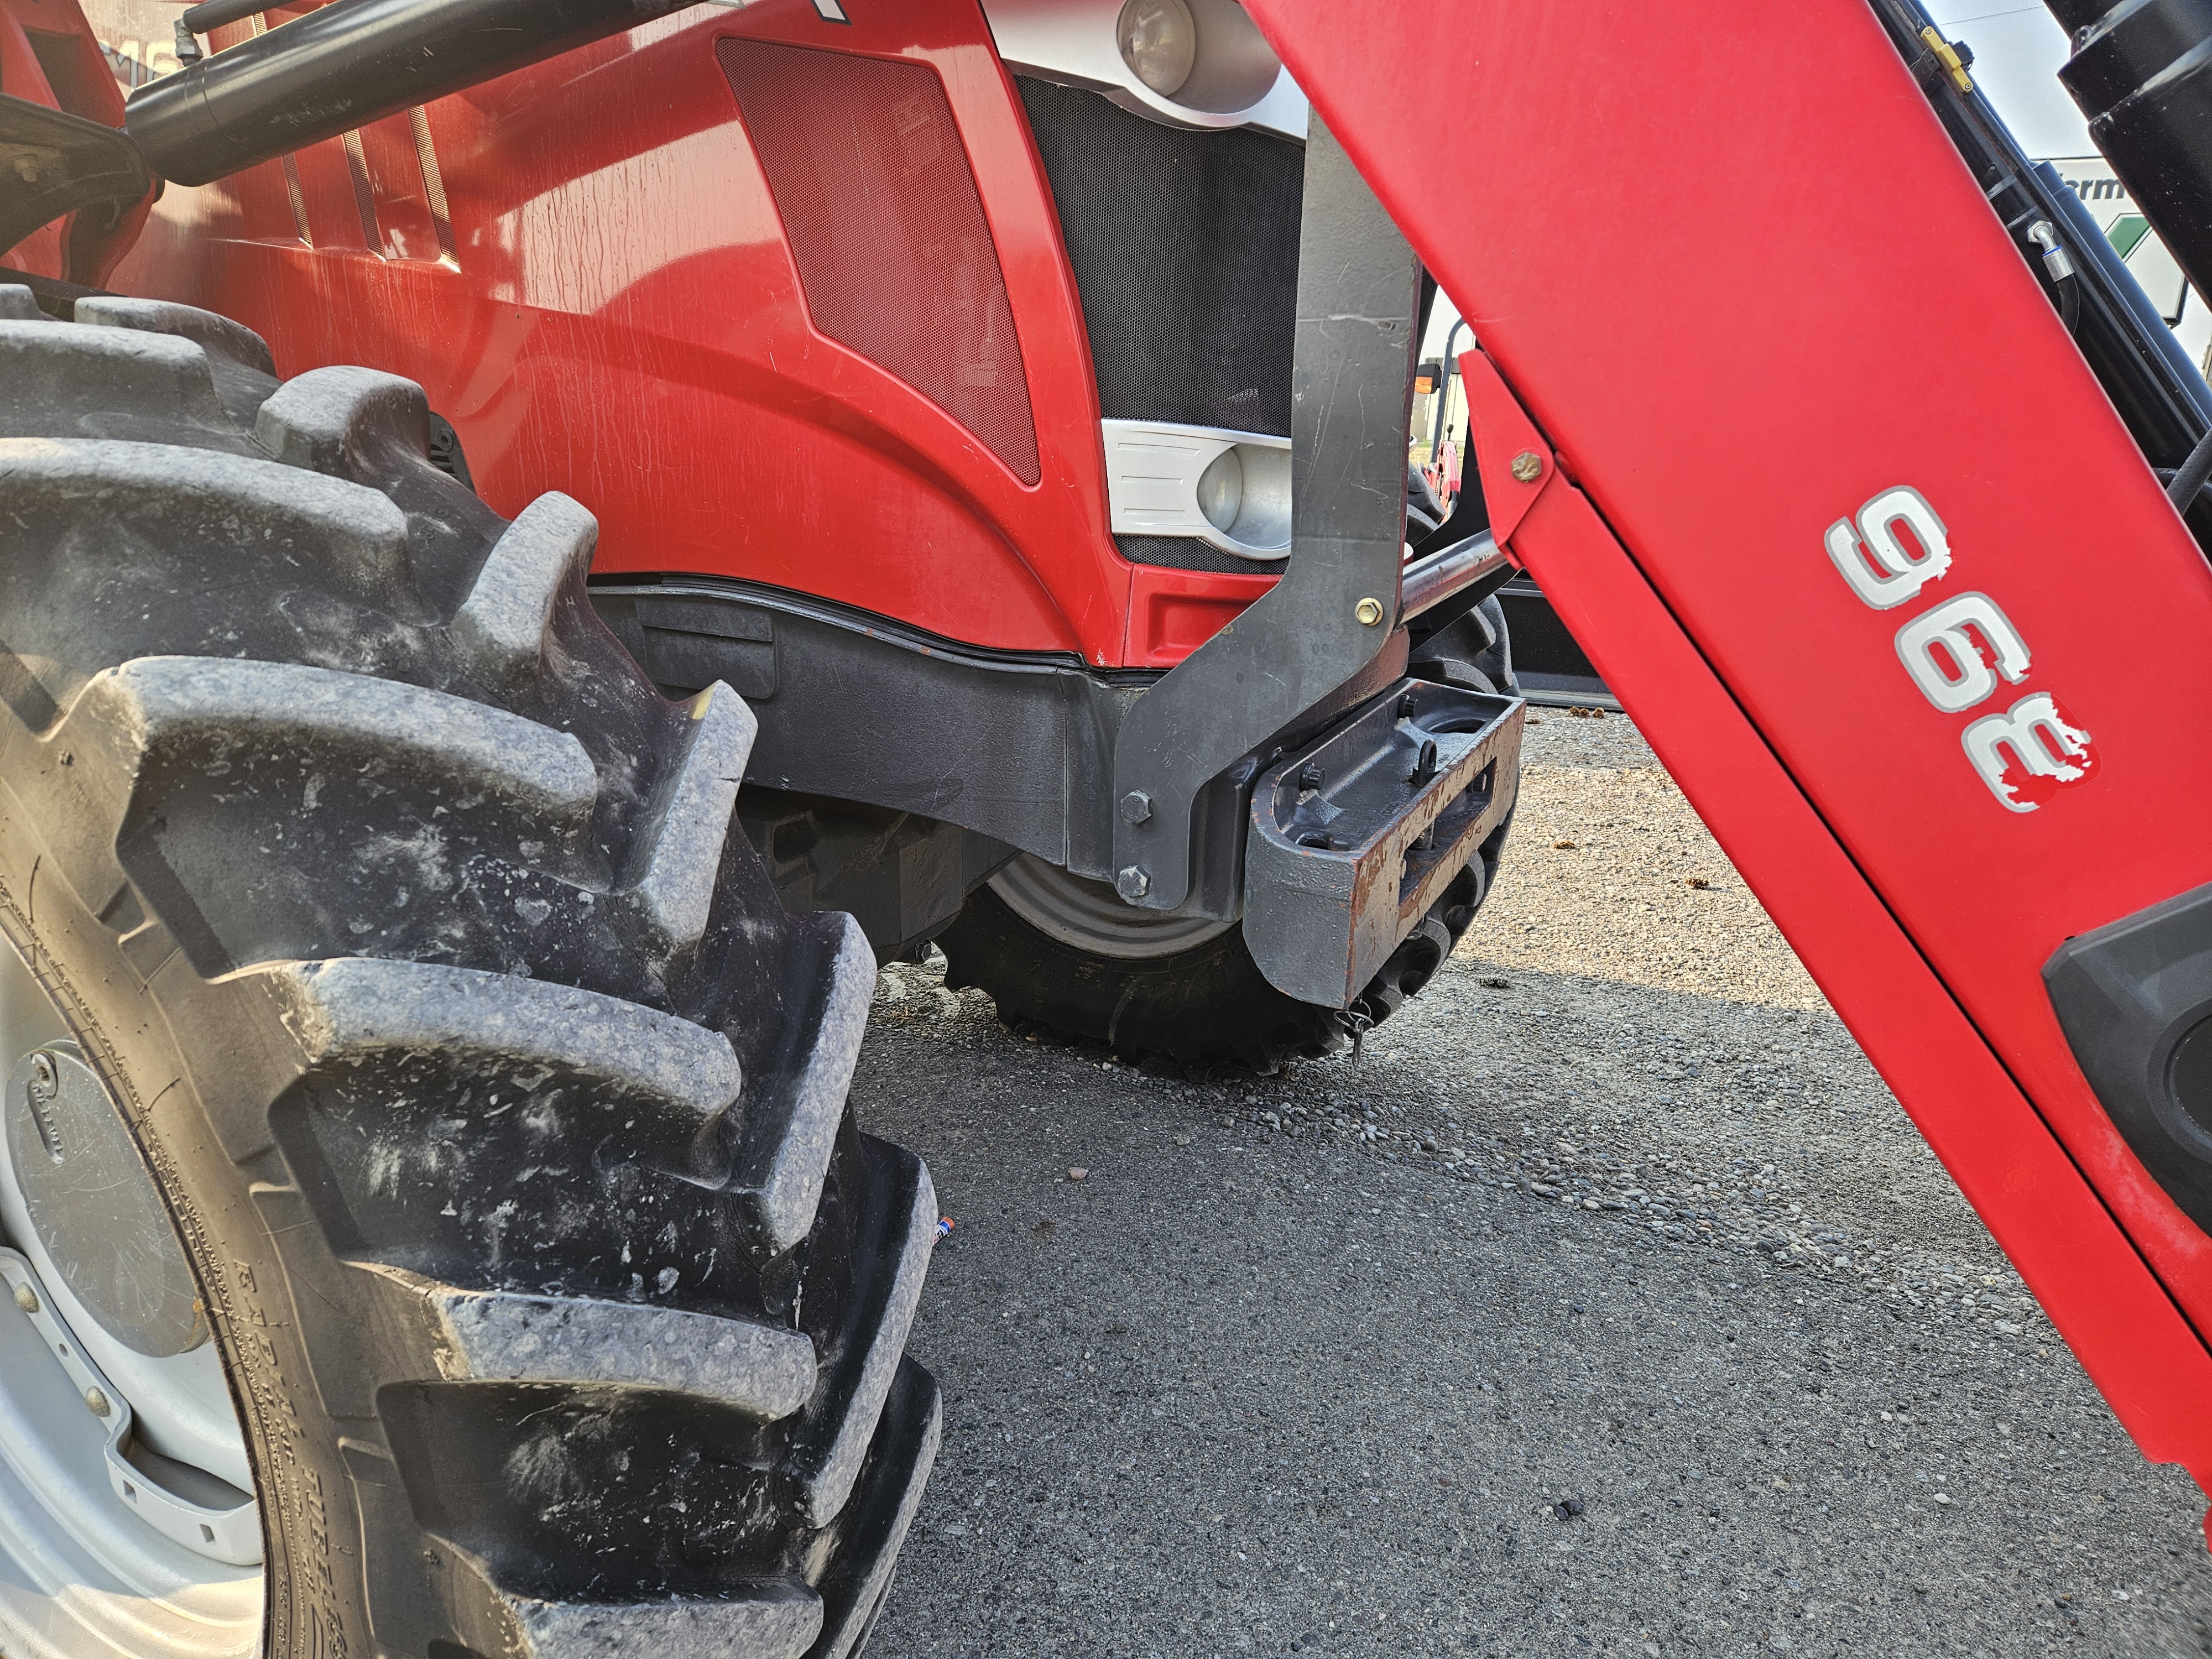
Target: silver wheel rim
point(1090, 916)
point(112, 1460)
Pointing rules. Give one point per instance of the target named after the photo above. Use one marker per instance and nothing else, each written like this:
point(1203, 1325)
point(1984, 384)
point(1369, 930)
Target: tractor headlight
point(1160, 43)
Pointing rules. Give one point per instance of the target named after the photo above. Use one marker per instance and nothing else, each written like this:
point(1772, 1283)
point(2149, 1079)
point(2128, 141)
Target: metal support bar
point(352, 63)
point(1335, 611)
point(1435, 577)
point(1020, 749)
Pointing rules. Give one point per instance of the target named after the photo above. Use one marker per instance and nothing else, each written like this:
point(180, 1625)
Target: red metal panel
point(1173, 612)
point(48, 56)
point(627, 324)
point(880, 208)
point(1739, 278)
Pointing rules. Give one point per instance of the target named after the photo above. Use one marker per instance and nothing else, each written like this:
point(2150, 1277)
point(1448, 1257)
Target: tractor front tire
point(498, 1105)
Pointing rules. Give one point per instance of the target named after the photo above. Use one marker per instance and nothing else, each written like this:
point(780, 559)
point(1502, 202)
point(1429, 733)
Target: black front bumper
point(1354, 836)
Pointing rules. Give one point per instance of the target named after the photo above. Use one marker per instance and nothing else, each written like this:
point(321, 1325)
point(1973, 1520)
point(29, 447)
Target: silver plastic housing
point(1229, 489)
point(1236, 81)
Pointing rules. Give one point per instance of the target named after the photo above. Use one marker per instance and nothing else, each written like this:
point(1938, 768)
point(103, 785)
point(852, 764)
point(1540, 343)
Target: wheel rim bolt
point(27, 1299)
point(97, 1403)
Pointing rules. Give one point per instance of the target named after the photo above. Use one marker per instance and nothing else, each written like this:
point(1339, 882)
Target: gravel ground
point(1606, 1303)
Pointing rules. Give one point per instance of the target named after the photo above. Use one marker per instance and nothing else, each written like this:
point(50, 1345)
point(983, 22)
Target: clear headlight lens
point(1160, 43)
point(1221, 489)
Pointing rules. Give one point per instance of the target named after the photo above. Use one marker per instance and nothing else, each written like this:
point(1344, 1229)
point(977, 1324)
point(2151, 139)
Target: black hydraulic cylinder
point(211, 15)
point(351, 63)
point(2142, 72)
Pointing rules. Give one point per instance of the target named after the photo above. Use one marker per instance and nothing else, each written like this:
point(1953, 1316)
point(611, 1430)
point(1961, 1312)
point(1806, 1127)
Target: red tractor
point(962, 445)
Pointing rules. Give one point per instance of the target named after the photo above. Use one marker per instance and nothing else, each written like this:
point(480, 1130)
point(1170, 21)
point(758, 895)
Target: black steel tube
point(2142, 72)
point(211, 15)
point(1430, 580)
point(353, 61)
point(2091, 244)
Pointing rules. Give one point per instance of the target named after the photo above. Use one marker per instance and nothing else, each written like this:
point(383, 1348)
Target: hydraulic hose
point(2182, 488)
point(351, 63)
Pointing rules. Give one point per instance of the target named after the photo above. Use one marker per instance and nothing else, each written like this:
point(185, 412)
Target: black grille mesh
point(1185, 248)
point(1188, 553)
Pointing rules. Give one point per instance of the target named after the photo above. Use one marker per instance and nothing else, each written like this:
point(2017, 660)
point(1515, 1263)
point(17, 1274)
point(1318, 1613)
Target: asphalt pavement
point(1605, 1303)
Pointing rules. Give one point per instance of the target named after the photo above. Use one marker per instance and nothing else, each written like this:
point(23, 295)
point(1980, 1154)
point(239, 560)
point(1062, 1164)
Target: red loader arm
point(1817, 477)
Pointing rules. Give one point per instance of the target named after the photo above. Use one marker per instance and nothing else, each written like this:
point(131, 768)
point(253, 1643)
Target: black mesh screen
point(1188, 553)
point(1185, 248)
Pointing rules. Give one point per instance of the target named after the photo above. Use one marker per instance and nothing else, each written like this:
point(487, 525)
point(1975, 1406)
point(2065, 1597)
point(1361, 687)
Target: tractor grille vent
point(1185, 250)
point(1188, 553)
point(881, 216)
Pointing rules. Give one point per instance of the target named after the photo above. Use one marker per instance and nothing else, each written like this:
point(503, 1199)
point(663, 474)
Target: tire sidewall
point(226, 1186)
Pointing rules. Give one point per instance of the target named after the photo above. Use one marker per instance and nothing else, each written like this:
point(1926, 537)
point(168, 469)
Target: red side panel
point(841, 352)
point(1173, 612)
point(879, 207)
point(1746, 292)
point(21, 76)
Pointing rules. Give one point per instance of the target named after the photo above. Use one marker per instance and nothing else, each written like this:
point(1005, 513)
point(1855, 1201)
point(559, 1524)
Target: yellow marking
point(1948, 56)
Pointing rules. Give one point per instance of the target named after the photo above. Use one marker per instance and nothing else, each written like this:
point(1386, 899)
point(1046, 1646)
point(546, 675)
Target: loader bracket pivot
point(1330, 621)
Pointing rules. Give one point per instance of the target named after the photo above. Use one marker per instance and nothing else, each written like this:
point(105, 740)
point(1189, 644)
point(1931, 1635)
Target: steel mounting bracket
point(1336, 610)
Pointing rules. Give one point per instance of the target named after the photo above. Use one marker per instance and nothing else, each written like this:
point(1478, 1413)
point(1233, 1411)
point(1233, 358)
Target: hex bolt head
point(1132, 882)
point(1528, 466)
point(1370, 611)
point(97, 1403)
point(27, 1299)
point(1136, 806)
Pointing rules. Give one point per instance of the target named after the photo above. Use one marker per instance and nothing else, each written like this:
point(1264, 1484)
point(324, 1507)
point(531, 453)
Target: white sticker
point(1956, 653)
point(2029, 751)
point(1882, 570)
